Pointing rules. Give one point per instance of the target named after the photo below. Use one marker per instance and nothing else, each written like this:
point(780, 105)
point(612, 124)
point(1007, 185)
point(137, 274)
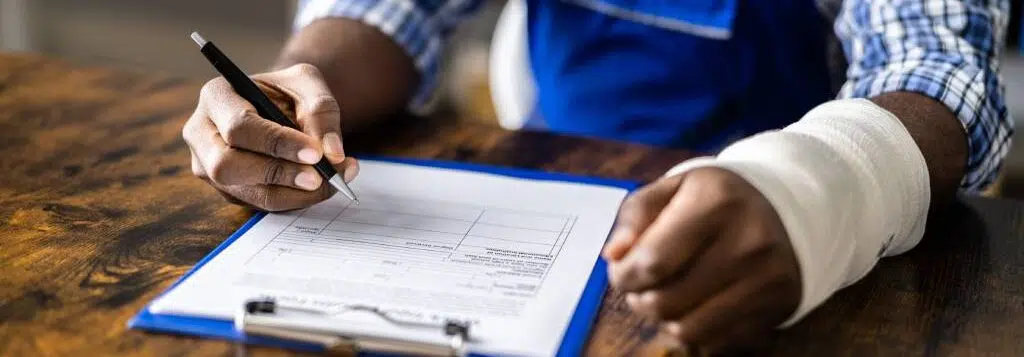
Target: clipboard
point(573, 340)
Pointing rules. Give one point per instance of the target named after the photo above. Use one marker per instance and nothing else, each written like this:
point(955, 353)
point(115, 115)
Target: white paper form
point(511, 255)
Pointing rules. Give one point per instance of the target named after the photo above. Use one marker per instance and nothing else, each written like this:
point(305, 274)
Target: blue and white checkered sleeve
point(945, 49)
point(418, 26)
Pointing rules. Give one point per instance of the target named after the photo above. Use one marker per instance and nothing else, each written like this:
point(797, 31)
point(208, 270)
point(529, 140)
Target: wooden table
point(99, 213)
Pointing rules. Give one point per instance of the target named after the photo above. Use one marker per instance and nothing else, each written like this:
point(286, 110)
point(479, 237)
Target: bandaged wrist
point(849, 184)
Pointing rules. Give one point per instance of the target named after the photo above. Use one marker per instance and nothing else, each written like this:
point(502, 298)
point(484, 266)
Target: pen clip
point(259, 317)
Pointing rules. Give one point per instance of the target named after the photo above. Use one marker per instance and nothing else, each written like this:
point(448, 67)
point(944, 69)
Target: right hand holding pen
point(256, 162)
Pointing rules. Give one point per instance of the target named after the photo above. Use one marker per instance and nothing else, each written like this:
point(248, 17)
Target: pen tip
point(198, 39)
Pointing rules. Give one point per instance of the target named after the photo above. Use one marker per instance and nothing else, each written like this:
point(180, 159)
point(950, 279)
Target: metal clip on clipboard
point(258, 317)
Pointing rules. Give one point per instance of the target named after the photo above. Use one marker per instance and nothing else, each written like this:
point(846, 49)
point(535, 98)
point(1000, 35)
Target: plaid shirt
point(945, 49)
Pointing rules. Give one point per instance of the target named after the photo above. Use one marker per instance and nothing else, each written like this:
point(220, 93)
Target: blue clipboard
point(572, 343)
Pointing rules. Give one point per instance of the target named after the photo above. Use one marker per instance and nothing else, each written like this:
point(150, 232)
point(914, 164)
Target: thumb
point(637, 213)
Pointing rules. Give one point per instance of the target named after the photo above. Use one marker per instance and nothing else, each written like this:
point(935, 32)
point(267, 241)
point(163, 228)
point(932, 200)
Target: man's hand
point(705, 254)
point(254, 161)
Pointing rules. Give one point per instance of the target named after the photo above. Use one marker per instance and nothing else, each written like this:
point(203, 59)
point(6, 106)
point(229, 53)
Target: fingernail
point(307, 180)
point(332, 144)
point(309, 155)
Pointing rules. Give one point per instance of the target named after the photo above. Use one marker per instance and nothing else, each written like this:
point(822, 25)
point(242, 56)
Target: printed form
point(512, 256)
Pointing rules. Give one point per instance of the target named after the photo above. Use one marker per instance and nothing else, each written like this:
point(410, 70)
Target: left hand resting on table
point(706, 255)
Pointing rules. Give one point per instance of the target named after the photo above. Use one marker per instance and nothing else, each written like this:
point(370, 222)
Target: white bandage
point(849, 184)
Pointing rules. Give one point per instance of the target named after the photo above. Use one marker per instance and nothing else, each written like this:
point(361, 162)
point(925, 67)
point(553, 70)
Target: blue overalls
point(688, 74)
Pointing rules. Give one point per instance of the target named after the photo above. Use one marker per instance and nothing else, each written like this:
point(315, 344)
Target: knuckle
point(266, 202)
point(186, 129)
point(252, 195)
point(274, 172)
point(723, 197)
point(197, 169)
point(235, 131)
point(305, 69)
point(275, 142)
point(642, 205)
point(632, 203)
point(324, 104)
point(652, 268)
point(220, 167)
point(187, 137)
point(674, 332)
point(632, 210)
point(654, 304)
point(762, 235)
point(211, 87)
point(273, 201)
point(719, 189)
point(754, 245)
point(189, 129)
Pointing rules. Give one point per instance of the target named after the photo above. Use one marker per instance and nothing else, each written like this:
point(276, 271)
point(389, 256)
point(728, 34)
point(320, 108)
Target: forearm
point(946, 50)
point(368, 73)
point(939, 136)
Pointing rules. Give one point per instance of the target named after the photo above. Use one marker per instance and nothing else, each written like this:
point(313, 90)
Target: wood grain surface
point(99, 213)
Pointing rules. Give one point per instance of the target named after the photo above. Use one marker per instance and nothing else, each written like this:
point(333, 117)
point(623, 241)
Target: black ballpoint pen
point(248, 90)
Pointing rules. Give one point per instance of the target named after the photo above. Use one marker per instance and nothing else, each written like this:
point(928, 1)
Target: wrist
point(848, 183)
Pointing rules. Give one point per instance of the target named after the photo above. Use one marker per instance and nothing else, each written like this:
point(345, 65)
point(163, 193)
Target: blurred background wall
point(153, 36)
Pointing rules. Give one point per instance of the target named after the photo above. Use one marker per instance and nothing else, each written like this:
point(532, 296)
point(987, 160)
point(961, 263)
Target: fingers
point(257, 162)
point(227, 166)
point(241, 127)
point(277, 198)
point(681, 230)
point(349, 169)
point(266, 197)
point(712, 272)
point(637, 212)
point(316, 110)
point(715, 262)
point(748, 302)
point(232, 167)
point(261, 196)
